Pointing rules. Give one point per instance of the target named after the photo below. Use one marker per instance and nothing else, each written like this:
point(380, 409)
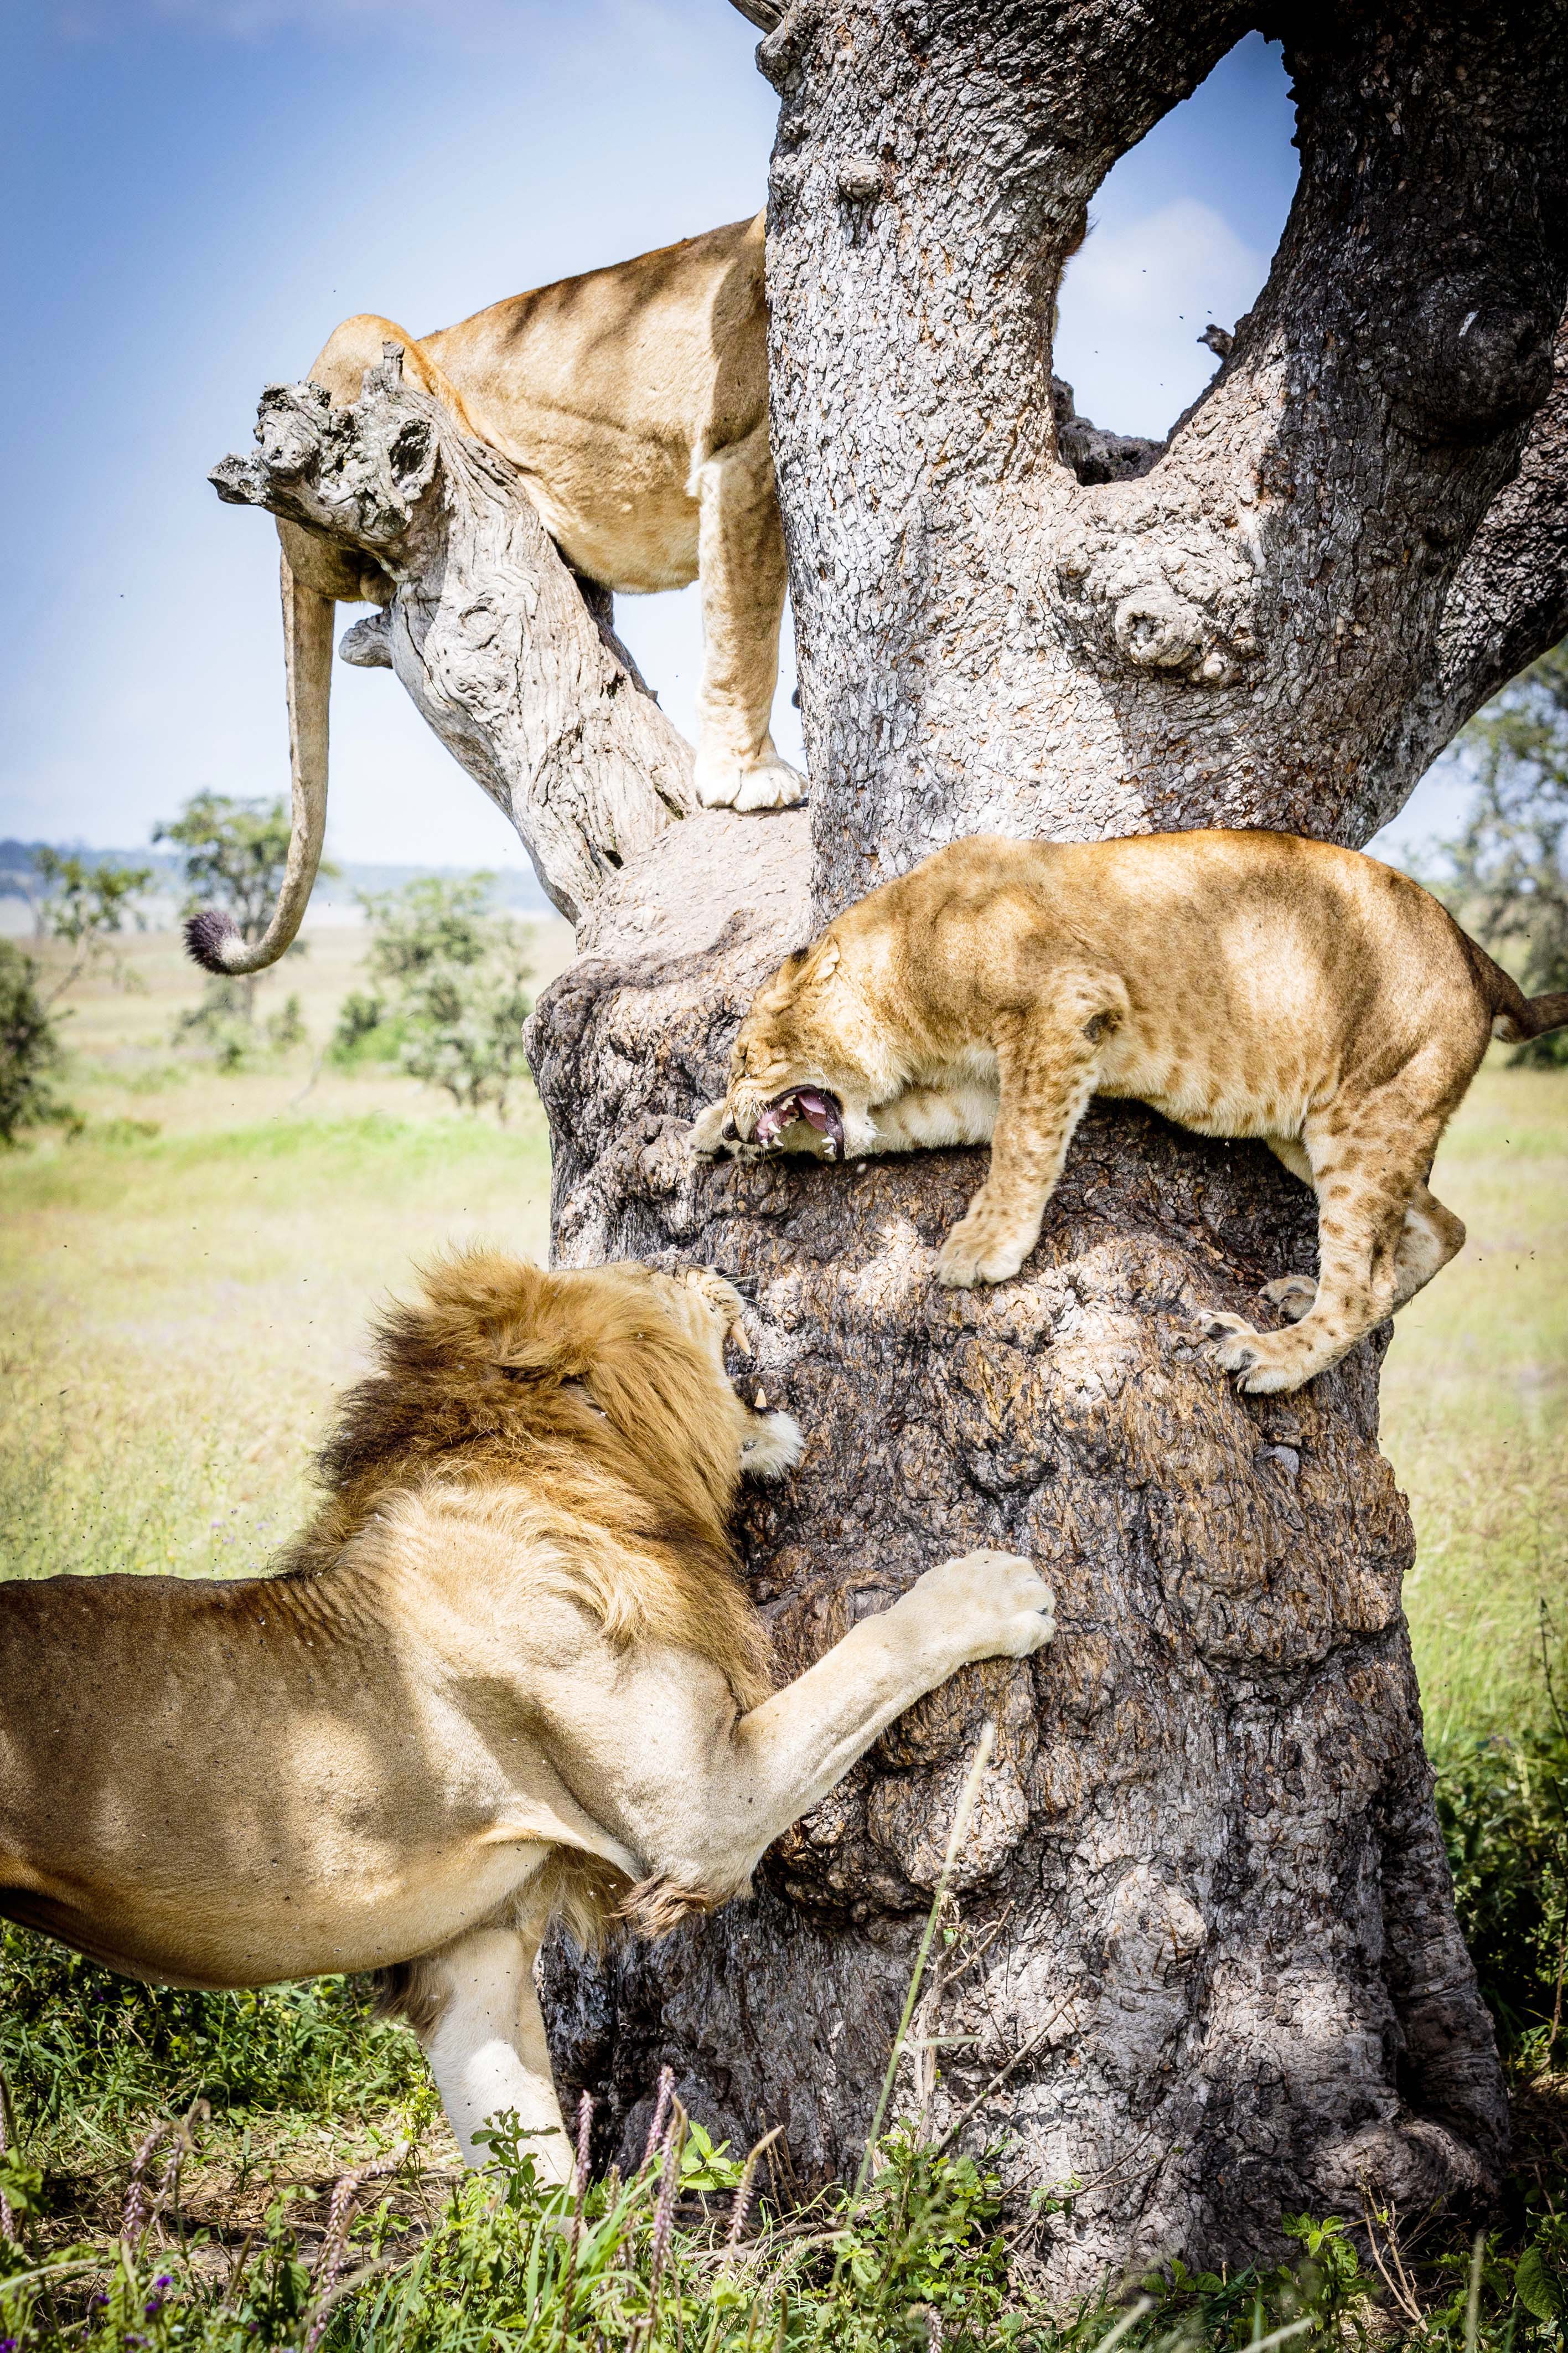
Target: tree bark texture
point(1208, 1968)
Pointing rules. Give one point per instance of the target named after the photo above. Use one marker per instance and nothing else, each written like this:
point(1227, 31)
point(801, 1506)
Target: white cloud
point(1133, 304)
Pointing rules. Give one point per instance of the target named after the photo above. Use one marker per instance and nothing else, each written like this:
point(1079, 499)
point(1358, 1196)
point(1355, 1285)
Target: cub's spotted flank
point(1242, 983)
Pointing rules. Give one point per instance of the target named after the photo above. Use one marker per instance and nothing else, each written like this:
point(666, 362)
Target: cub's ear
point(828, 962)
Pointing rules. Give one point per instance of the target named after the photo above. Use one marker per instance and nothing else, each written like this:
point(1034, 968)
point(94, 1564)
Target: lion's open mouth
point(814, 1105)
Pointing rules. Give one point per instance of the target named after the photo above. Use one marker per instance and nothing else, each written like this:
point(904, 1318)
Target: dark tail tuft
point(206, 935)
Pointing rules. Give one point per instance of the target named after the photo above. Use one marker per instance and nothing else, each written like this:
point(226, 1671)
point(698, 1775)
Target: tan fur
point(1243, 983)
point(508, 1673)
point(635, 399)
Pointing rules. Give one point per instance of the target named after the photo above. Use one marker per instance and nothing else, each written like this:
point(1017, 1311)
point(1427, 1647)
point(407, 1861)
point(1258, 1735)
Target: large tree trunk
point(1208, 1967)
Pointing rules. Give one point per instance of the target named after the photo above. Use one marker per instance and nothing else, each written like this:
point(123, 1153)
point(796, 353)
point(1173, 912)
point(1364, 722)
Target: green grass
point(1476, 1411)
point(182, 1292)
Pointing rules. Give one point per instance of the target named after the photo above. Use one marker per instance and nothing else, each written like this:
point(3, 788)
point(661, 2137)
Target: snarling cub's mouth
point(814, 1105)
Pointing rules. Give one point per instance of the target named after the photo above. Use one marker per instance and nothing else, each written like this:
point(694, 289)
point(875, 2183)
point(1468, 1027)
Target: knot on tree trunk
point(1471, 357)
point(487, 627)
point(1164, 585)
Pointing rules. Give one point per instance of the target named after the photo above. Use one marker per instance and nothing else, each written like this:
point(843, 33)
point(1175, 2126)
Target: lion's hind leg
point(1432, 1235)
point(741, 578)
point(1368, 1159)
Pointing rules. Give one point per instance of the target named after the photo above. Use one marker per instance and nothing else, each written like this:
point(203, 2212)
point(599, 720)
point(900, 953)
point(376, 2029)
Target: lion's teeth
point(761, 1400)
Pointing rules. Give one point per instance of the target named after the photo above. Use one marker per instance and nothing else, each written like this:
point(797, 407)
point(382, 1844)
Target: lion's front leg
point(742, 577)
point(787, 1755)
point(652, 1745)
point(1047, 1071)
point(484, 2037)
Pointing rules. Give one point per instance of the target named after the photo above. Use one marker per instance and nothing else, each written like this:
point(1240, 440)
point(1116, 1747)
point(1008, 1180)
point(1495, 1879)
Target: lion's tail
point(212, 935)
point(1517, 1019)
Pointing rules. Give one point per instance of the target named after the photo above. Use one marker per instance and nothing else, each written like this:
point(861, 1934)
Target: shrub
point(455, 1003)
point(29, 1048)
point(1503, 1806)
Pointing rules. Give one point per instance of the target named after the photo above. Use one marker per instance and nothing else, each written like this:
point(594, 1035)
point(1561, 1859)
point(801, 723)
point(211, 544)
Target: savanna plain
point(185, 1282)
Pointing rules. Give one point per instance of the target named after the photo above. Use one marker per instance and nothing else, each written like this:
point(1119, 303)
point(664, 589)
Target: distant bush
point(30, 1050)
point(225, 1026)
point(1509, 869)
point(222, 1025)
point(452, 1004)
point(368, 1031)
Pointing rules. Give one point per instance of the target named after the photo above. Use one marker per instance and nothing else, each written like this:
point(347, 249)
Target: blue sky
point(198, 190)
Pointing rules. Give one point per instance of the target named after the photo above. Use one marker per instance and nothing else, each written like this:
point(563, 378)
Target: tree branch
point(488, 630)
point(1509, 602)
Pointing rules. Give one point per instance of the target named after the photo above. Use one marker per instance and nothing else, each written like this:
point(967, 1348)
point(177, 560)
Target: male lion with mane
point(508, 1671)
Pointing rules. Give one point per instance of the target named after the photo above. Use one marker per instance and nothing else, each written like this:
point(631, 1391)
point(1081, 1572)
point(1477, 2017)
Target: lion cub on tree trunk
point(1241, 984)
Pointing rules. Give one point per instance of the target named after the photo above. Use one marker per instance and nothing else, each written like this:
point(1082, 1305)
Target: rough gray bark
point(1208, 1945)
point(521, 677)
point(1237, 635)
point(1210, 1935)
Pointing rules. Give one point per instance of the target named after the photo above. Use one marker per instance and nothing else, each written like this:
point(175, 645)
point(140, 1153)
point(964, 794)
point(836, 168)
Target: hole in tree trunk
point(1182, 232)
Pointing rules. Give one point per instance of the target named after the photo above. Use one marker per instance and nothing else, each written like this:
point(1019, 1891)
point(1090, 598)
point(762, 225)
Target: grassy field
point(184, 1285)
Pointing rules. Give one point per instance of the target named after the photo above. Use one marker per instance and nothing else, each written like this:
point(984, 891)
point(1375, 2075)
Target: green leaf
point(1538, 2287)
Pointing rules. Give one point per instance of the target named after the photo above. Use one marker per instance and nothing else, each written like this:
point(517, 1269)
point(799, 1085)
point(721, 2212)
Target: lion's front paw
point(713, 1135)
point(1293, 1294)
point(724, 782)
point(1263, 1362)
point(973, 1252)
point(707, 1138)
point(992, 1604)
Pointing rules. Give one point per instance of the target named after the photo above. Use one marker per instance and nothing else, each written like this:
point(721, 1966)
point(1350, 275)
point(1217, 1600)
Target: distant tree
point(454, 1002)
point(29, 1048)
point(235, 855)
point(435, 921)
point(1508, 882)
point(87, 906)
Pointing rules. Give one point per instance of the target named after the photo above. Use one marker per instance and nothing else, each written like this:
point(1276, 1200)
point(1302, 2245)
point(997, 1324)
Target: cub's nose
point(730, 1132)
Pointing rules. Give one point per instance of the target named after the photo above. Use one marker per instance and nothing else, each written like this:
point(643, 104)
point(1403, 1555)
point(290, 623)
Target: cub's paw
point(1293, 1294)
point(972, 1254)
point(707, 1138)
point(713, 1135)
point(1263, 1362)
point(992, 1604)
point(724, 782)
